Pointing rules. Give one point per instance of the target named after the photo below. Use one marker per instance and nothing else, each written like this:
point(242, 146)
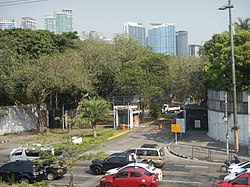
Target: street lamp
point(229, 6)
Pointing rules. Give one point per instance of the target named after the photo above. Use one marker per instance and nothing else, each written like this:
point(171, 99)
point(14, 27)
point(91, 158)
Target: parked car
point(113, 161)
point(22, 171)
point(242, 180)
point(237, 168)
point(54, 169)
point(32, 152)
point(232, 176)
point(132, 177)
point(147, 167)
point(150, 151)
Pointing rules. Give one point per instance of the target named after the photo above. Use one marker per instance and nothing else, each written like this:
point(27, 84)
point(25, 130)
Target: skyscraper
point(50, 23)
point(60, 22)
point(194, 50)
point(162, 38)
point(7, 24)
point(135, 31)
point(28, 23)
point(182, 43)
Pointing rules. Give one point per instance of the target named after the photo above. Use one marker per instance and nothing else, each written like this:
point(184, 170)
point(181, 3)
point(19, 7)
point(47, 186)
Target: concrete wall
point(14, 120)
point(216, 123)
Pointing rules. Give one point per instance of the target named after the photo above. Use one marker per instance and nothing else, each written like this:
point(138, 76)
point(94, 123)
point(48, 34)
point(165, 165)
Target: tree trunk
point(71, 178)
point(40, 124)
point(94, 131)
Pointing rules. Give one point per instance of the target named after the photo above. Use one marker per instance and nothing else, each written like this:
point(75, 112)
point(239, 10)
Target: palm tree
point(242, 24)
point(94, 111)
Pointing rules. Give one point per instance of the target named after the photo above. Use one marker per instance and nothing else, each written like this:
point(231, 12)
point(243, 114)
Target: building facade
point(60, 22)
point(162, 38)
point(194, 50)
point(135, 31)
point(182, 43)
point(7, 24)
point(28, 23)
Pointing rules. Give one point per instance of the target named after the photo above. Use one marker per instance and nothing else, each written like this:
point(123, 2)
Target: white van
point(31, 152)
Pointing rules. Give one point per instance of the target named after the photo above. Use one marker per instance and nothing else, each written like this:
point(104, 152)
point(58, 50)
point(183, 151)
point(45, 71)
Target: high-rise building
point(28, 23)
point(7, 24)
point(162, 38)
point(50, 23)
point(135, 31)
point(60, 22)
point(182, 43)
point(194, 50)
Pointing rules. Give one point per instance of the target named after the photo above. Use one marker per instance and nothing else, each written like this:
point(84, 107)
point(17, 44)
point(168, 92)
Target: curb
point(115, 136)
point(4, 141)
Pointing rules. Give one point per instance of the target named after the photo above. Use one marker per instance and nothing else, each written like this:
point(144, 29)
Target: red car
point(241, 181)
point(132, 177)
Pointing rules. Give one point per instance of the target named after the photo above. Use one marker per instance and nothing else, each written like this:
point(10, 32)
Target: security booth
point(128, 115)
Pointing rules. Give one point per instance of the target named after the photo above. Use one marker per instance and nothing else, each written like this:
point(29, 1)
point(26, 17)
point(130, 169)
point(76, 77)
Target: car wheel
point(23, 181)
point(224, 169)
point(50, 176)
point(107, 184)
point(142, 185)
point(97, 170)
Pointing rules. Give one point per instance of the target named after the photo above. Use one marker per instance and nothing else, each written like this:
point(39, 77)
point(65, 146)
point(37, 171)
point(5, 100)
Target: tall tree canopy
point(218, 64)
point(242, 24)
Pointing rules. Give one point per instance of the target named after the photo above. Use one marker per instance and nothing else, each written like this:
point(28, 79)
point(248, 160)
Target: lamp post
point(229, 6)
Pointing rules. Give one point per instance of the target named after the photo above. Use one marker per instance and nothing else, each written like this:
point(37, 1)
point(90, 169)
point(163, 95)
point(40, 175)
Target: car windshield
point(151, 167)
point(147, 173)
point(37, 167)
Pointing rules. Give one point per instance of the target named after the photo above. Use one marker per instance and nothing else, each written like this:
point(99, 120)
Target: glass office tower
point(60, 22)
point(135, 31)
point(182, 43)
point(162, 38)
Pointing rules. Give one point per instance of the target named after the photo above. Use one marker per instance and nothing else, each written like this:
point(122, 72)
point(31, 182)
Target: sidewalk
point(197, 145)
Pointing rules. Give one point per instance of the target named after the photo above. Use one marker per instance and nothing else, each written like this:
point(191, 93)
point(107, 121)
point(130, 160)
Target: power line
point(19, 2)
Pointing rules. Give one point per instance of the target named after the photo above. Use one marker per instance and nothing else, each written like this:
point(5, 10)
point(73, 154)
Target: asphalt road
point(177, 172)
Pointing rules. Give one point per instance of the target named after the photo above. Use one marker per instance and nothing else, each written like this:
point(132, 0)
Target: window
point(152, 153)
point(17, 153)
point(32, 153)
point(122, 159)
point(135, 175)
point(147, 173)
point(243, 180)
point(142, 152)
point(122, 175)
point(111, 159)
point(131, 151)
point(162, 152)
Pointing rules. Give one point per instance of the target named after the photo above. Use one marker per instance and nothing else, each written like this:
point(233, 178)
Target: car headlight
point(103, 179)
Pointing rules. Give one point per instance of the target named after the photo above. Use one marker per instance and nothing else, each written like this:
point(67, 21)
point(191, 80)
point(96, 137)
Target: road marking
point(174, 181)
point(192, 166)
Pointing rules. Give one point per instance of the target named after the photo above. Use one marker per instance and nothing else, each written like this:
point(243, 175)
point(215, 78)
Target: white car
point(147, 167)
point(232, 176)
point(237, 168)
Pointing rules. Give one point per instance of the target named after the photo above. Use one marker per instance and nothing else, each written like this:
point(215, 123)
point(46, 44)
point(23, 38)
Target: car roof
point(149, 146)
point(117, 154)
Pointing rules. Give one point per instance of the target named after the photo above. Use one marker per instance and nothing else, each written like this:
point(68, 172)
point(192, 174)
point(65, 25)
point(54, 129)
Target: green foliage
point(93, 111)
point(242, 24)
point(217, 67)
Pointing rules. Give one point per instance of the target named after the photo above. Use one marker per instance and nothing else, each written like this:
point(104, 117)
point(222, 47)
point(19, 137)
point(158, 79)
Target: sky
point(201, 18)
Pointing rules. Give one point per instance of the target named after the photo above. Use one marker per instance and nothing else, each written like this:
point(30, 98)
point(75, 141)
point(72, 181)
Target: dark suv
point(113, 161)
point(54, 169)
point(22, 171)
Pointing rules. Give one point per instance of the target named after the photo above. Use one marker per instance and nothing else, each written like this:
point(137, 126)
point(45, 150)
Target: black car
point(22, 171)
point(113, 161)
point(54, 169)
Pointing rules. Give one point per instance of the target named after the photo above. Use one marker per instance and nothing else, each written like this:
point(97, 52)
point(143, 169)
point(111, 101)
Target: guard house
point(128, 115)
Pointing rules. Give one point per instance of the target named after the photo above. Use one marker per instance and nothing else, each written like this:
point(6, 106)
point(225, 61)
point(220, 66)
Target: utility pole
point(229, 6)
point(226, 122)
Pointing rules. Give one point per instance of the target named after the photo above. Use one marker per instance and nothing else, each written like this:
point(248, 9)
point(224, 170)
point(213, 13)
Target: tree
point(185, 78)
point(93, 111)
point(242, 24)
point(72, 152)
point(217, 66)
point(31, 83)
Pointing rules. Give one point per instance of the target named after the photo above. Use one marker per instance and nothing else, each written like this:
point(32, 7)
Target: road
point(177, 172)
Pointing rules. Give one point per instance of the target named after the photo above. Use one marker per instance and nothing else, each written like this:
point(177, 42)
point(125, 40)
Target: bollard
point(123, 127)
